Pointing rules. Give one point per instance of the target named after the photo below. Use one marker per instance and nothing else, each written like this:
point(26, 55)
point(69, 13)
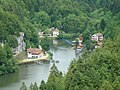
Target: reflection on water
point(4, 81)
point(36, 73)
point(27, 73)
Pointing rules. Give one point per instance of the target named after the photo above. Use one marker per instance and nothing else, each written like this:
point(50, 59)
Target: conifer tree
point(23, 87)
point(35, 87)
point(31, 87)
point(42, 85)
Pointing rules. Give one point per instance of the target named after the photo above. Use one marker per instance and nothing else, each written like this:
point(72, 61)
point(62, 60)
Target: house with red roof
point(55, 33)
point(80, 38)
point(34, 53)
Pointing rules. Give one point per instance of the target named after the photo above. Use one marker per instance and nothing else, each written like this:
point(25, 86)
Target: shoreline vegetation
point(96, 67)
point(44, 58)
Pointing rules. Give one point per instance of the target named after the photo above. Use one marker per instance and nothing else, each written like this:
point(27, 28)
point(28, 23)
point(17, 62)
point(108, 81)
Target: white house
point(55, 32)
point(97, 37)
point(34, 53)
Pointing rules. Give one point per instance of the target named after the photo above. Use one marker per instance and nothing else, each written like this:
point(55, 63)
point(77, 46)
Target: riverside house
point(55, 32)
point(97, 37)
point(52, 32)
point(34, 53)
point(80, 39)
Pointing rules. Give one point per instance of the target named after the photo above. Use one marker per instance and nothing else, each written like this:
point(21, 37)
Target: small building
point(43, 34)
point(40, 34)
point(97, 37)
point(52, 32)
point(80, 39)
point(55, 32)
point(34, 53)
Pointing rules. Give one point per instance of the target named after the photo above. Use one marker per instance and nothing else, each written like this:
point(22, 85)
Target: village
point(38, 55)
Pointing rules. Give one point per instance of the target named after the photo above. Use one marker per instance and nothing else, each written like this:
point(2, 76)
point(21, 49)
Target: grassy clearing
point(21, 56)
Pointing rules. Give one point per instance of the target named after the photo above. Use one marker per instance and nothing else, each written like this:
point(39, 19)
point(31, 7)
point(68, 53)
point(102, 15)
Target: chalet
point(55, 32)
point(52, 32)
point(21, 44)
point(97, 37)
point(34, 53)
point(80, 39)
point(43, 34)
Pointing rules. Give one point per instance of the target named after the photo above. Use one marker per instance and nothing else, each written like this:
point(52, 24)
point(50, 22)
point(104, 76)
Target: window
point(33, 56)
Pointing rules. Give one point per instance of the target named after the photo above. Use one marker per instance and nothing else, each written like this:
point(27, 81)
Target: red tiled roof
point(80, 37)
point(34, 50)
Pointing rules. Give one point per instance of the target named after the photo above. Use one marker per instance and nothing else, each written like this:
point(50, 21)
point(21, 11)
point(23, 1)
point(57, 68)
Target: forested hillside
point(99, 70)
point(96, 71)
point(72, 16)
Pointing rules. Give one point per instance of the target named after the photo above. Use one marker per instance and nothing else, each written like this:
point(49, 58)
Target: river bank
point(44, 58)
point(36, 73)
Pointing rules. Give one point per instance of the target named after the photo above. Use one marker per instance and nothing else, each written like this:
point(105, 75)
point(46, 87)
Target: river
point(35, 73)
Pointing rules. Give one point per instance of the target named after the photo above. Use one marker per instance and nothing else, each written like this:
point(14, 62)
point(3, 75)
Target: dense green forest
point(93, 71)
point(7, 62)
point(71, 16)
point(97, 71)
